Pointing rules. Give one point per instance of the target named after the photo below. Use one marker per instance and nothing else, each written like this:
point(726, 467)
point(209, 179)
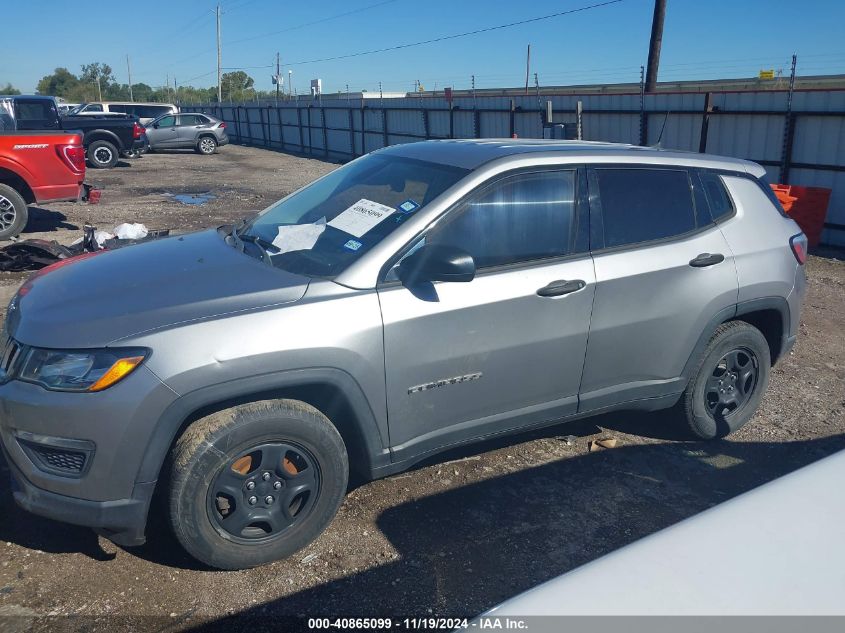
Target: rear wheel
point(729, 383)
point(102, 155)
point(255, 483)
point(13, 212)
point(207, 145)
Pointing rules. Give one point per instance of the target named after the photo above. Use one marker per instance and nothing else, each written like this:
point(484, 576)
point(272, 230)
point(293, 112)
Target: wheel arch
point(333, 392)
point(16, 182)
point(770, 315)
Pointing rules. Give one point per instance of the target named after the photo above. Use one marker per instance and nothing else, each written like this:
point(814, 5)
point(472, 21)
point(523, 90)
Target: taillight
point(73, 156)
point(137, 131)
point(222, 125)
point(798, 244)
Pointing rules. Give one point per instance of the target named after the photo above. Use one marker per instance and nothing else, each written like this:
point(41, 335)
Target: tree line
point(96, 79)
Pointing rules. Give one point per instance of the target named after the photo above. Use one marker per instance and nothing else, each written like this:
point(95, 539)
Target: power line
point(320, 21)
point(457, 35)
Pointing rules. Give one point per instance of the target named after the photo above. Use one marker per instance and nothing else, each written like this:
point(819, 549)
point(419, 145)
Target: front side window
point(643, 204)
point(92, 107)
point(168, 121)
point(324, 227)
point(520, 218)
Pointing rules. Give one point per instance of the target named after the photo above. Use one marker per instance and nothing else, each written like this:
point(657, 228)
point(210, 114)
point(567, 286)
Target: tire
point(102, 155)
point(735, 366)
point(207, 145)
point(13, 212)
point(277, 467)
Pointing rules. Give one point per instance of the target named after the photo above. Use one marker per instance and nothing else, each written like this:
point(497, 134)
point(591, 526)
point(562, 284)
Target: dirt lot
point(452, 537)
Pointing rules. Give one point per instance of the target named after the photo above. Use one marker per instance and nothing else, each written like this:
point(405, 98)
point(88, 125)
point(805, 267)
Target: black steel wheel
point(264, 492)
point(729, 381)
point(255, 483)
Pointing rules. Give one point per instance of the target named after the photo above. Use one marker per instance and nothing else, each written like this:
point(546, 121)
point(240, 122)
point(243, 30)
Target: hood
point(94, 301)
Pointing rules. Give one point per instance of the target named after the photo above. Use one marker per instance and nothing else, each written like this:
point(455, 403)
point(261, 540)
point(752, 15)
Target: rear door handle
point(561, 287)
point(707, 259)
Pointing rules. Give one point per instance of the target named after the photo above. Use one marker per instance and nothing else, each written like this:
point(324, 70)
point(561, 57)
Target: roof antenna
point(658, 145)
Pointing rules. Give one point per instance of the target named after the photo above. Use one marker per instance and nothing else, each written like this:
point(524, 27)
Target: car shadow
point(466, 549)
point(43, 220)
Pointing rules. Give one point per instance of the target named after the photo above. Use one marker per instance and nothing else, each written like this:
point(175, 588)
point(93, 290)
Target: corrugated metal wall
point(752, 125)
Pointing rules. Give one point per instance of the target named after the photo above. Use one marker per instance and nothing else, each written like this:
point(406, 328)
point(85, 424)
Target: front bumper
point(121, 520)
point(116, 425)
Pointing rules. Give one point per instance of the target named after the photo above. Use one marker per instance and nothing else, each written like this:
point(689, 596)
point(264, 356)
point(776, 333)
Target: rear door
point(164, 132)
point(462, 359)
point(663, 271)
point(189, 128)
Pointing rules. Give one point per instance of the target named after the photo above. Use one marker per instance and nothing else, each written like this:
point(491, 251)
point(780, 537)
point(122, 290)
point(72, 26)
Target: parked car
point(146, 112)
point(65, 108)
point(420, 297)
point(106, 138)
point(38, 167)
point(202, 132)
point(740, 558)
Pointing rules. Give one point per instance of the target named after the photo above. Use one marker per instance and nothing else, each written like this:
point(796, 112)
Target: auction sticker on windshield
point(361, 217)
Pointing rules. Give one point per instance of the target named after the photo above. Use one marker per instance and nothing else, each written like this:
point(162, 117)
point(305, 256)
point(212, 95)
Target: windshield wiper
point(240, 242)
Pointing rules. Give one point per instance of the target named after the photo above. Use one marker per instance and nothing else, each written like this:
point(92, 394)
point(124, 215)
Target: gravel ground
point(452, 537)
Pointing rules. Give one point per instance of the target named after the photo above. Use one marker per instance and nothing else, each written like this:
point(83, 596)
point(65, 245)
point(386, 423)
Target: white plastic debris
point(102, 236)
point(127, 231)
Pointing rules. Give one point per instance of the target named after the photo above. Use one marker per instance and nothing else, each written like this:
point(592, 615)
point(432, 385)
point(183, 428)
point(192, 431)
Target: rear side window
point(640, 205)
point(717, 195)
point(122, 108)
point(35, 114)
point(191, 119)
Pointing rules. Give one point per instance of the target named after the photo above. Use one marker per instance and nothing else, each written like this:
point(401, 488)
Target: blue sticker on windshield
point(409, 206)
point(353, 245)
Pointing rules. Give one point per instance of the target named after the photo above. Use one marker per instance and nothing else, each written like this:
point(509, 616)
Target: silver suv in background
point(418, 298)
point(188, 130)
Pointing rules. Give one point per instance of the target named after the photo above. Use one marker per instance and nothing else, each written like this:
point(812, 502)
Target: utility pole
point(167, 85)
point(175, 91)
point(129, 72)
point(99, 91)
point(527, 67)
point(290, 83)
point(278, 78)
point(654, 45)
point(219, 61)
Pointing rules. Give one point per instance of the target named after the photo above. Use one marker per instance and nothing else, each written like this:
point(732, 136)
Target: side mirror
point(155, 125)
point(437, 262)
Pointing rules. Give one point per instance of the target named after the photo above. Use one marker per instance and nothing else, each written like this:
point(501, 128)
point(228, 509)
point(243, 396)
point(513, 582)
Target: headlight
point(78, 370)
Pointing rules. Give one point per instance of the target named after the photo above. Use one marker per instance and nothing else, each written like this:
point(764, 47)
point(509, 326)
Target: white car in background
point(146, 112)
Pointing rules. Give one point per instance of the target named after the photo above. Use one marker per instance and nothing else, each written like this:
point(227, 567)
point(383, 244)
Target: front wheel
point(207, 145)
point(728, 384)
point(255, 483)
point(13, 212)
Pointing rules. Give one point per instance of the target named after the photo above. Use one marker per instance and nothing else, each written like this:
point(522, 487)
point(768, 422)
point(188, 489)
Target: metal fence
point(799, 141)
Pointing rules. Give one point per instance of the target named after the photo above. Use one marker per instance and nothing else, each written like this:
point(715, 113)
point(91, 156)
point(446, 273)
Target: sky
point(606, 44)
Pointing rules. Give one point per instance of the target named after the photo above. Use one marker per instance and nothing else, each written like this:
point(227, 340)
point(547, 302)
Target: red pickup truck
point(38, 167)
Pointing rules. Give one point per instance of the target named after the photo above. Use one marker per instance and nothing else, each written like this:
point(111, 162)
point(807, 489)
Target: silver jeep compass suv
point(420, 297)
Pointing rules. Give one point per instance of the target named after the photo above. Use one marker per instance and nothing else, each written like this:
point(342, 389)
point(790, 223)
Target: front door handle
point(707, 259)
point(561, 287)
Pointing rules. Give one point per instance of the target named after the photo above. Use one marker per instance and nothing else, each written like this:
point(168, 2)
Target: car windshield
point(321, 229)
point(77, 109)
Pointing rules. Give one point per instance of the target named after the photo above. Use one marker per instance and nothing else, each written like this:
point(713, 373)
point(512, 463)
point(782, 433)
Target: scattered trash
point(35, 254)
point(309, 558)
point(569, 440)
point(133, 231)
point(601, 444)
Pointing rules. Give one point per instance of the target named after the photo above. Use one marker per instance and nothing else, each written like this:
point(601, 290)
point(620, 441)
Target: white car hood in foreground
point(776, 550)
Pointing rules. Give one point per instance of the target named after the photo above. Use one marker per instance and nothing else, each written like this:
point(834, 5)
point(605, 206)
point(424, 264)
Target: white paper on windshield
point(361, 217)
point(298, 237)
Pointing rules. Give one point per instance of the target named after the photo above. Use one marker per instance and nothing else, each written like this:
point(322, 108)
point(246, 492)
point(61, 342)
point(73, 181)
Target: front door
point(163, 133)
point(466, 359)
